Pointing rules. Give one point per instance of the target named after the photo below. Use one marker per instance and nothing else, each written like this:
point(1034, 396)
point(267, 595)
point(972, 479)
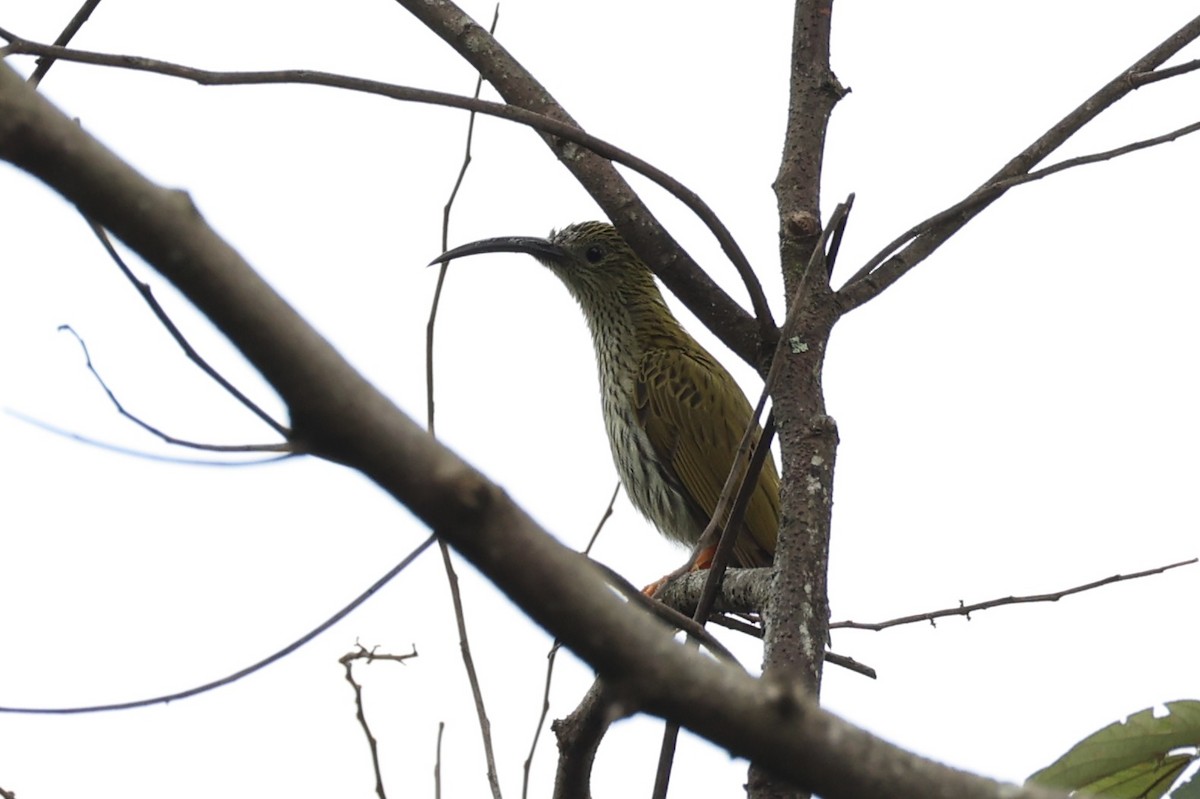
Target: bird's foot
point(700, 560)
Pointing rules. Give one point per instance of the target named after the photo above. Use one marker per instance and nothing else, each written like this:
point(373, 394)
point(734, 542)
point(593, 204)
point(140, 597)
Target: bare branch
point(246, 672)
point(464, 645)
point(341, 416)
point(147, 295)
point(149, 428)
point(797, 610)
point(736, 491)
point(816, 265)
point(64, 38)
point(551, 658)
point(728, 321)
point(136, 453)
point(579, 736)
point(435, 303)
point(604, 517)
point(921, 240)
point(636, 224)
point(967, 610)
point(983, 196)
point(552, 655)
point(437, 763)
point(850, 664)
point(371, 655)
point(1106, 155)
point(813, 92)
point(346, 660)
point(1145, 78)
point(464, 641)
point(743, 482)
point(740, 482)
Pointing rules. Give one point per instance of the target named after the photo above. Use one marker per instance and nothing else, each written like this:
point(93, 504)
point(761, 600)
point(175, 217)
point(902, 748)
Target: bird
point(673, 414)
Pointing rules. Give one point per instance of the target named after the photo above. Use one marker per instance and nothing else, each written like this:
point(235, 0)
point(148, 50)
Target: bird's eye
point(594, 254)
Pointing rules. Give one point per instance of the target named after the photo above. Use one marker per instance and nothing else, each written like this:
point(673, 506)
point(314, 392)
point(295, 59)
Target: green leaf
point(1146, 780)
point(1130, 759)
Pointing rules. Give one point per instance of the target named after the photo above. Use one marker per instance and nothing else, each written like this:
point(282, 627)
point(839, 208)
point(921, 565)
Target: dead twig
point(369, 655)
point(967, 610)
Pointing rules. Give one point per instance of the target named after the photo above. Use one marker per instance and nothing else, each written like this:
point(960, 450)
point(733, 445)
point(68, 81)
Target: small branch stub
point(802, 224)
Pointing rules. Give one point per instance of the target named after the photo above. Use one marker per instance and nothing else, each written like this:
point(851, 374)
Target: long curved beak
point(542, 249)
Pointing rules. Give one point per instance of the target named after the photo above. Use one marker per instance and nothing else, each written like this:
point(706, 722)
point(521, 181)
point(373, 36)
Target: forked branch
point(920, 241)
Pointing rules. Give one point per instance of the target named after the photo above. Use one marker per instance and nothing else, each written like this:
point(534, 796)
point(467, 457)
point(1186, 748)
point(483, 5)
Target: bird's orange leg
point(701, 559)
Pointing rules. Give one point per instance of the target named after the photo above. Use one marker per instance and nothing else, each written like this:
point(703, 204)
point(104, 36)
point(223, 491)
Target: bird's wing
point(694, 414)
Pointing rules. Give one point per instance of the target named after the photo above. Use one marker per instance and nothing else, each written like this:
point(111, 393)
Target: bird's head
point(591, 258)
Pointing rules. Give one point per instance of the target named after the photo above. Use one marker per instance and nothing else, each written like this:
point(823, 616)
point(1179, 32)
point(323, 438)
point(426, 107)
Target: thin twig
point(850, 663)
point(437, 763)
point(87, 357)
point(464, 643)
point(604, 517)
point(551, 658)
point(666, 760)
point(371, 655)
point(137, 453)
point(967, 610)
point(346, 660)
point(736, 624)
point(986, 194)
point(1105, 155)
point(232, 678)
point(885, 268)
point(539, 122)
point(552, 655)
point(665, 613)
point(716, 571)
point(731, 623)
point(1145, 78)
point(430, 325)
point(147, 294)
point(835, 241)
point(64, 38)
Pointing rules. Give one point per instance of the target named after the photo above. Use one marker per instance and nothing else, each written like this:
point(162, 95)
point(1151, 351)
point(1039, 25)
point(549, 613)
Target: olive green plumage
point(673, 414)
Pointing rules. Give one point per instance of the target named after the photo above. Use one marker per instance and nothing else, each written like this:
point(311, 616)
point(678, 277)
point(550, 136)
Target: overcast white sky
point(1017, 415)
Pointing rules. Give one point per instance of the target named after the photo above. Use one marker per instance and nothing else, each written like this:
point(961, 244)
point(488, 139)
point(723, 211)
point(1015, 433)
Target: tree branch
point(362, 653)
point(797, 610)
point(967, 610)
point(64, 38)
point(342, 417)
point(921, 240)
point(635, 222)
point(716, 309)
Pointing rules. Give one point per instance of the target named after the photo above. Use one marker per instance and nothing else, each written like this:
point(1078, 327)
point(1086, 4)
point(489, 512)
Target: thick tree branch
point(338, 415)
point(814, 91)
point(579, 736)
point(750, 339)
point(797, 611)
